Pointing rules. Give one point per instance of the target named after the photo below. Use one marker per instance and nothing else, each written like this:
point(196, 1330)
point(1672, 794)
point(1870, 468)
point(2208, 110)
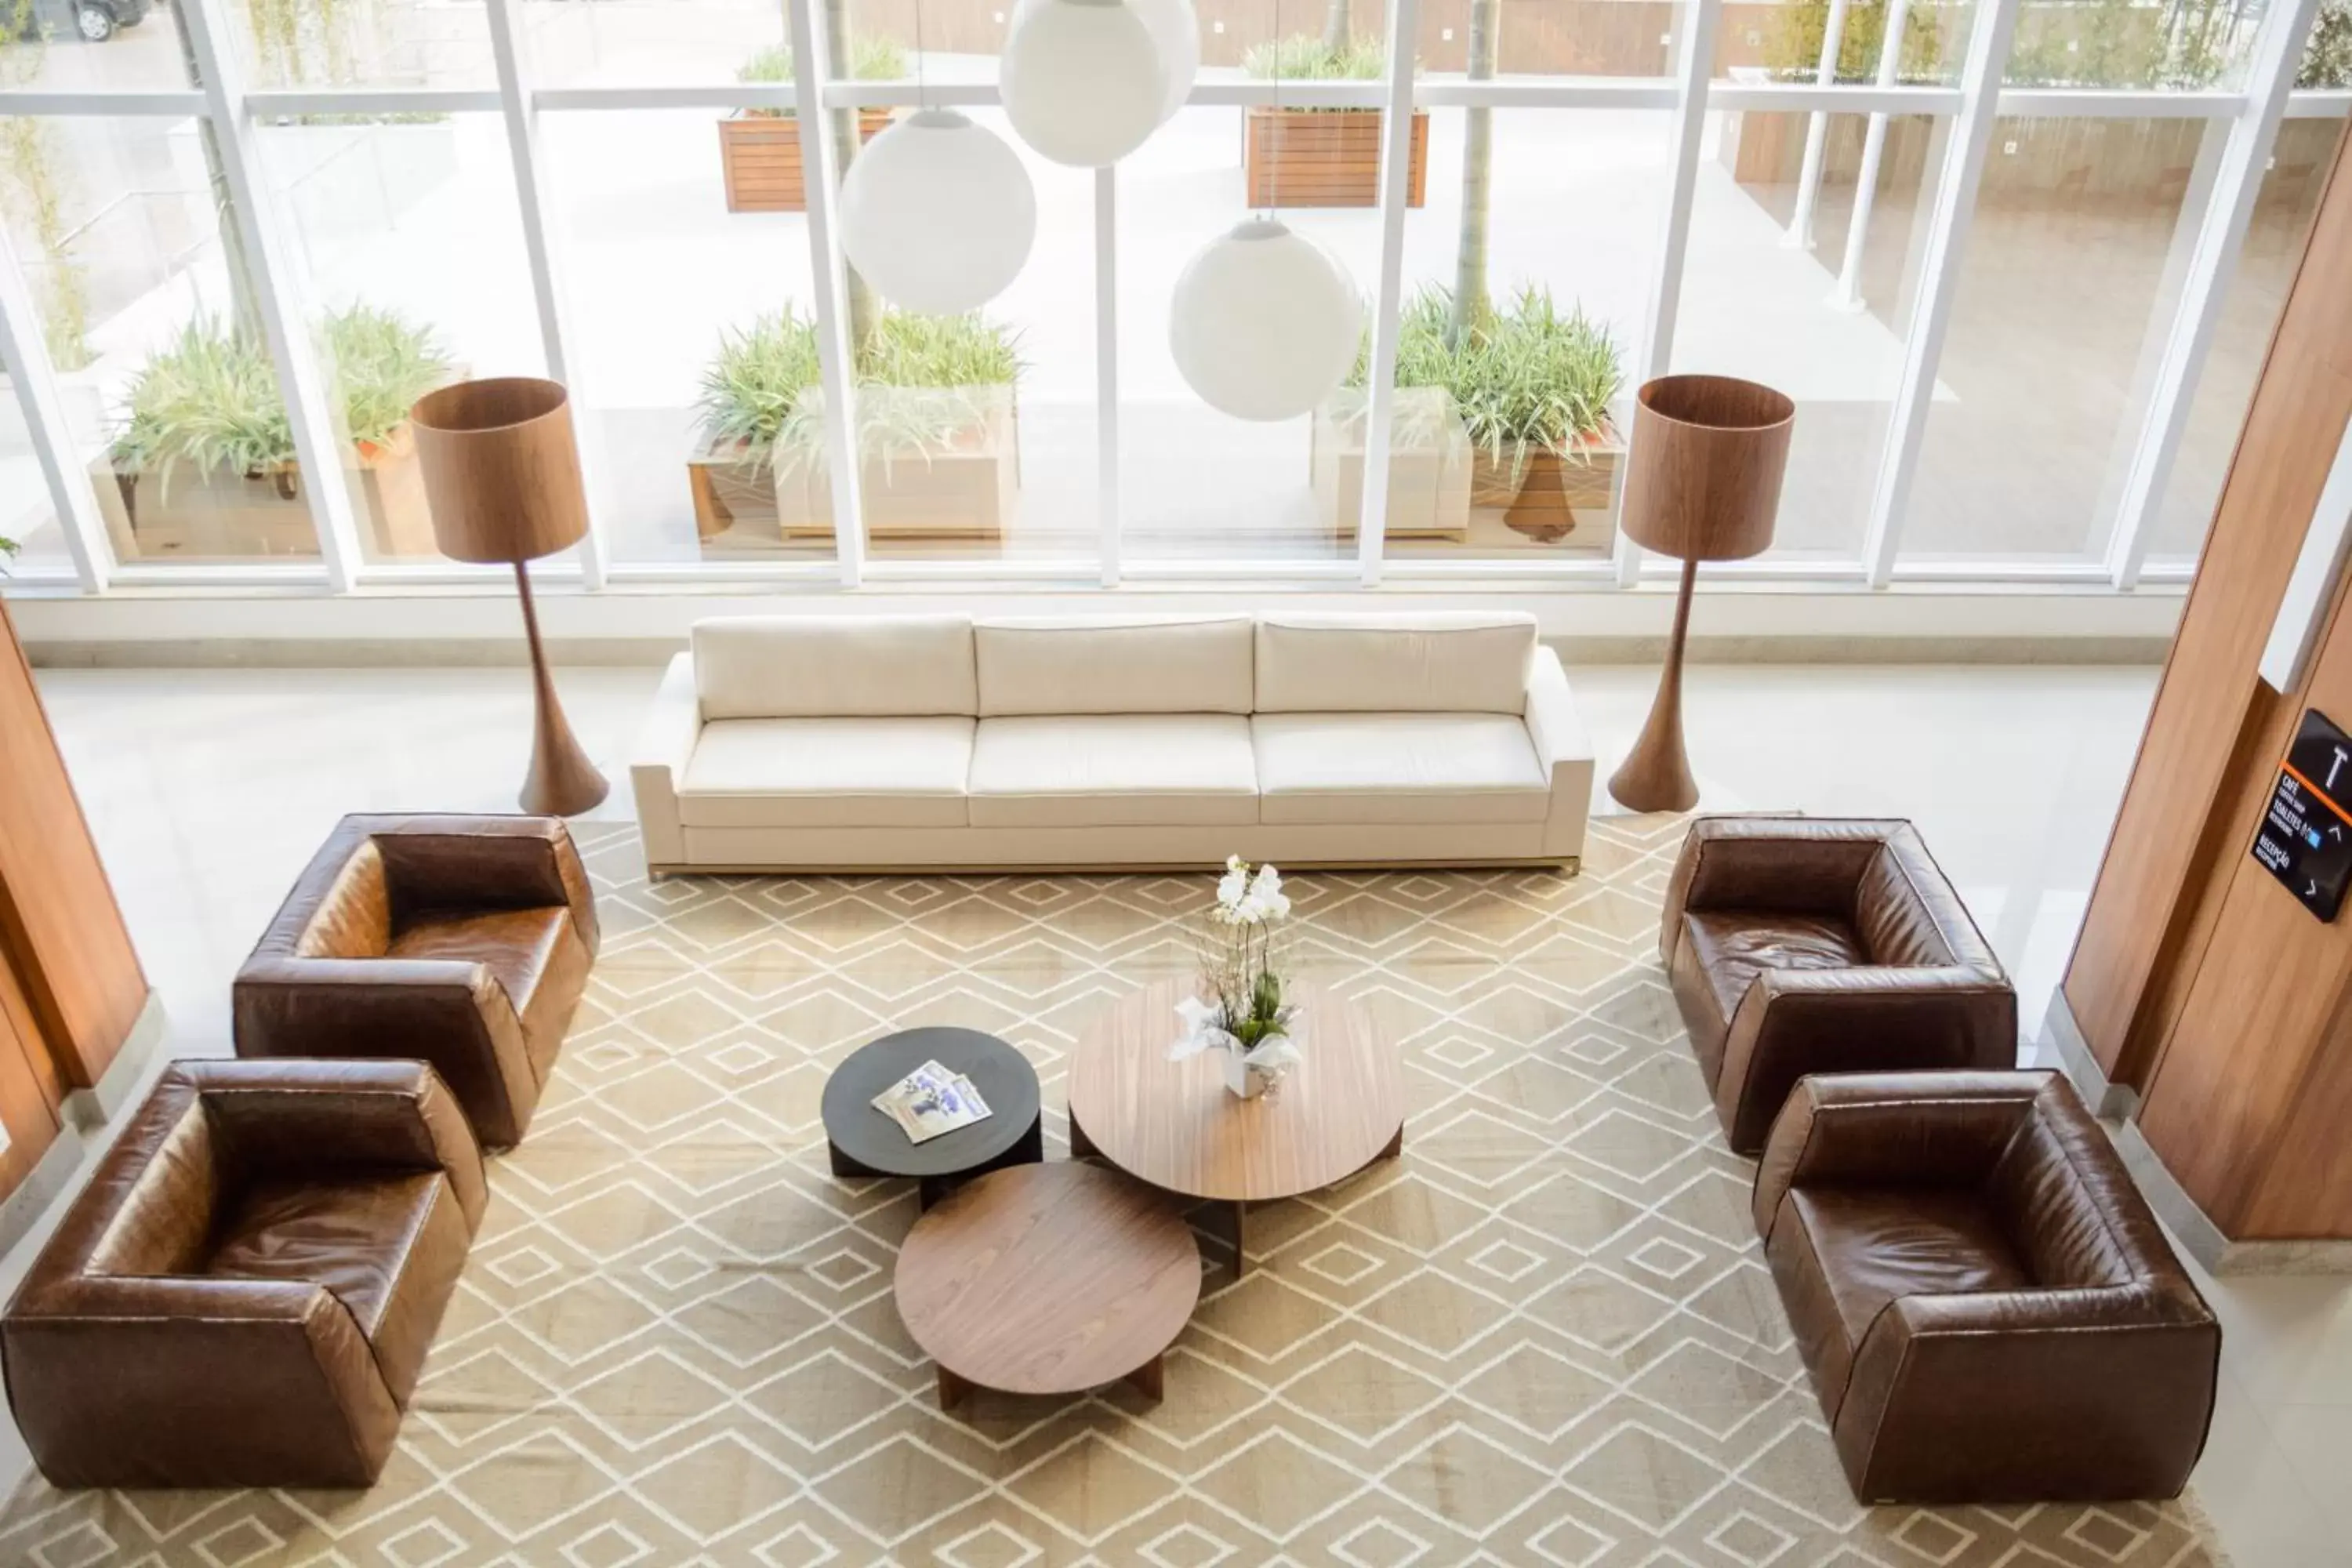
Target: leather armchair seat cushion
point(1722, 954)
point(1104, 770)
point(1398, 768)
point(828, 773)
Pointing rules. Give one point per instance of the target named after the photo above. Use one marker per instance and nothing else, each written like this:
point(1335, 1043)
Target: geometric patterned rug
point(1543, 1336)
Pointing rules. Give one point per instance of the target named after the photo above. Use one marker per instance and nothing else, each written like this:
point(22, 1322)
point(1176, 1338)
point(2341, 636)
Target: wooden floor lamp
point(1703, 483)
point(502, 475)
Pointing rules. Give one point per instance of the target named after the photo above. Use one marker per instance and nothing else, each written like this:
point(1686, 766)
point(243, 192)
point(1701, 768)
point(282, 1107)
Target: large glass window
point(363, 43)
point(83, 46)
point(2067, 289)
point(31, 543)
point(1825, 321)
point(1788, 42)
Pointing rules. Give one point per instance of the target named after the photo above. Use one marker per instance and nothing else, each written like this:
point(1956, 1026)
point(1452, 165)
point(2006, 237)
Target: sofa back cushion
point(1129, 664)
point(826, 667)
point(1438, 663)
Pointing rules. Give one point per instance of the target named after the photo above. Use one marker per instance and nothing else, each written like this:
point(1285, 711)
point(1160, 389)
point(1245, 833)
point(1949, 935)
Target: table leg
point(1081, 1145)
point(952, 1389)
point(1150, 1379)
point(930, 1190)
point(1396, 1144)
point(1241, 1248)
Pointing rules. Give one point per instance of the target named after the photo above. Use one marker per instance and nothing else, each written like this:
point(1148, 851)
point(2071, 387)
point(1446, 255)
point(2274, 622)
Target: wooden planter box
point(1550, 491)
point(232, 516)
point(965, 495)
point(1429, 477)
point(1325, 157)
point(760, 155)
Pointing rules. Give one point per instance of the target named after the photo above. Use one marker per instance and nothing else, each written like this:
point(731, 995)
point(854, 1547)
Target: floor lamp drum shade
point(501, 468)
point(1703, 483)
point(502, 476)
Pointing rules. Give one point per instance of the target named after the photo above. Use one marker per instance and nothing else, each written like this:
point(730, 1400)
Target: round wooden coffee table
point(1048, 1279)
point(1175, 1124)
point(862, 1142)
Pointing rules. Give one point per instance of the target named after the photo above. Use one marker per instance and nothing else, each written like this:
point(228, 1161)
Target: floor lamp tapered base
point(1656, 776)
point(562, 781)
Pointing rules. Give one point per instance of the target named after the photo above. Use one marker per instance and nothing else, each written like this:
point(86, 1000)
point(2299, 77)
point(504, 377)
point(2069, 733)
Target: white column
point(828, 289)
point(1106, 367)
point(278, 294)
point(2278, 51)
point(26, 357)
point(1396, 166)
point(1847, 295)
point(1692, 74)
point(1817, 131)
point(543, 248)
point(1940, 279)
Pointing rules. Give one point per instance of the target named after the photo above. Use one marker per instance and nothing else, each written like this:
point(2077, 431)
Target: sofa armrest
point(1564, 749)
point(2117, 1381)
point(448, 1012)
point(657, 761)
point(300, 1115)
point(92, 1358)
point(1795, 1022)
point(1791, 865)
point(1907, 1128)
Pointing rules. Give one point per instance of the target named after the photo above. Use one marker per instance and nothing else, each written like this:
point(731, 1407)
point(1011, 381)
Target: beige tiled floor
point(208, 789)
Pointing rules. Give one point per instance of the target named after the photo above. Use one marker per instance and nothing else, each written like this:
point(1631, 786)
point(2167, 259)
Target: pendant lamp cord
point(920, 104)
point(1274, 124)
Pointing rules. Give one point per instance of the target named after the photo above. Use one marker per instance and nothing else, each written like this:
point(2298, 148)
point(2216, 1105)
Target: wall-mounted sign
point(2305, 838)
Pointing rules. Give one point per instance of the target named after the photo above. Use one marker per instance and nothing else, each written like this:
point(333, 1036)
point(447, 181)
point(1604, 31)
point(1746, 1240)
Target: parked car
point(94, 21)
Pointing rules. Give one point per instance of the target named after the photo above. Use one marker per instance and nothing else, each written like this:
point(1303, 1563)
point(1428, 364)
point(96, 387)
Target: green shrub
point(1523, 378)
point(761, 392)
point(1303, 57)
point(2327, 58)
point(210, 400)
point(873, 57)
point(1798, 28)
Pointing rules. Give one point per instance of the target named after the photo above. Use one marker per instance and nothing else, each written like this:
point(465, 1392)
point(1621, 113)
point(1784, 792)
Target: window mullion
point(27, 356)
point(1380, 412)
point(828, 285)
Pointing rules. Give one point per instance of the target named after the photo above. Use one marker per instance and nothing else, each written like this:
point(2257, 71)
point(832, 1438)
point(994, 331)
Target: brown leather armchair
point(1800, 946)
point(464, 940)
point(245, 1293)
point(1987, 1307)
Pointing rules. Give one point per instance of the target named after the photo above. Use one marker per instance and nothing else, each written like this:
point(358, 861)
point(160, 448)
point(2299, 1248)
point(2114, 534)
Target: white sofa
point(800, 742)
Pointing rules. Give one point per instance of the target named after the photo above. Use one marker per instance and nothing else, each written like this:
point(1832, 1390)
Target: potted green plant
point(937, 435)
point(760, 149)
point(203, 460)
point(1529, 388)
point(1322, 157)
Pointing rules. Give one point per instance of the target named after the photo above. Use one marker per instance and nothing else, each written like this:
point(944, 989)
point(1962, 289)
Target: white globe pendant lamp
point(1265, 324)
point(937, 213)
point(1176, 32)
point(1081, 80)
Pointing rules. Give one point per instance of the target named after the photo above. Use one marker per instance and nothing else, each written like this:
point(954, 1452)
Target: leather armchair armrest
point(1908, 1128)
point(1564, 749)
point(485, 863)
point(450, 1012)
point(304, 1115)
point(1795, 1022)
point(657, 761)
point(1791, 865)
point(91, 1357)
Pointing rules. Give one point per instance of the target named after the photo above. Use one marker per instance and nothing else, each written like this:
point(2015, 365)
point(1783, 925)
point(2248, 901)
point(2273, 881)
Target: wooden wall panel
point(61, 929)
point(2166, 869)
point(28, 1097)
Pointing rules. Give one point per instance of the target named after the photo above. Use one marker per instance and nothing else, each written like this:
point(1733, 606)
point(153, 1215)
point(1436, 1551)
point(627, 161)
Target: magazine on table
point(931, 1101)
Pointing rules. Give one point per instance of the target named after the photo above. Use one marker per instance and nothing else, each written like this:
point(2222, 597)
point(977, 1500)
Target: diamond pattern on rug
point(1544, 1335)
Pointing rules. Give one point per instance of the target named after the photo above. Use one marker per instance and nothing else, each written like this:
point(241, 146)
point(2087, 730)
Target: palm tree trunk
point(1335, 26)
point(1477, 176)
point(857, 296)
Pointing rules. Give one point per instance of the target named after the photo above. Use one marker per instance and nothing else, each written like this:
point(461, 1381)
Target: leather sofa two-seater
point(943, 742)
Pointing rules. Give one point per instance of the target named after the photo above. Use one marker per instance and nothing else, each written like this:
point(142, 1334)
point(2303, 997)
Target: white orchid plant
point(1246, 1011)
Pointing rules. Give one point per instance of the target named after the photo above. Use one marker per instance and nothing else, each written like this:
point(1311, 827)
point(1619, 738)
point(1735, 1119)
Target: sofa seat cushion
point(1398, 768)
point(1853, 1250)
point(828, 773)
point(1142, 770)
point(518, 946)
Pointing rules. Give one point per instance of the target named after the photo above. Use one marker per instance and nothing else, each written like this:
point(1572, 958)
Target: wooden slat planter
point(965, 495)
point(205, 515)
point(760, 155)
point(1429, 478)
point(1550, 491)
point(1325, 157)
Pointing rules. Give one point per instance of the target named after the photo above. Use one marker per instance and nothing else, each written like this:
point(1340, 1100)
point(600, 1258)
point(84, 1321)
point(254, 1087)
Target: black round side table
point(864, 1141)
